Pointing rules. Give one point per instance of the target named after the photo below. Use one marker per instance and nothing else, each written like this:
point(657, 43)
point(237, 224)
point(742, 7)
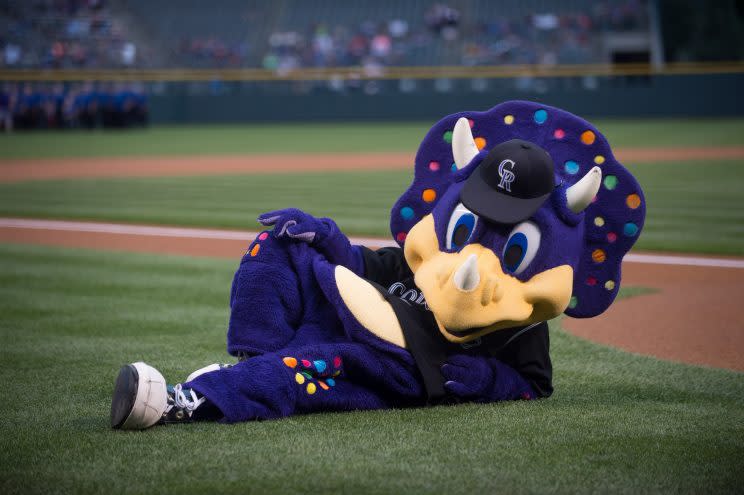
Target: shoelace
point(181, 401)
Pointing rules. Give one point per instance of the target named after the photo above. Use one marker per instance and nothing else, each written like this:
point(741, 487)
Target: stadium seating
point(249, 33)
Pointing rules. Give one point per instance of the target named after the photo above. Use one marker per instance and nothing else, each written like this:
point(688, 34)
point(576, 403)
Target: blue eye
point(460, 228)
point(516, 248)
point(521, 247)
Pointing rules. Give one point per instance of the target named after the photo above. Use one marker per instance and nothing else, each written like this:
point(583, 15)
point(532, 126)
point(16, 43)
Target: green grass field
point(325, 138)
point(617, 422)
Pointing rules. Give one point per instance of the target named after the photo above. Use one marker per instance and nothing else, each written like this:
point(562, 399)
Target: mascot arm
point(321, 233)
point(482, 379)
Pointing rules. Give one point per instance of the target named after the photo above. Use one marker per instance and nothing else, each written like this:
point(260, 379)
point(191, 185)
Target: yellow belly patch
point(369, 307)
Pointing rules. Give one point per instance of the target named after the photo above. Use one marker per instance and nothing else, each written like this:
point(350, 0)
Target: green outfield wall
point(420, 93)
point(267, 101)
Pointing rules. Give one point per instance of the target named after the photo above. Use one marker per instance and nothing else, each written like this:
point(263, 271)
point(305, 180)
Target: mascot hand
point(295, 224)
point(321, 233)
point(482, 379)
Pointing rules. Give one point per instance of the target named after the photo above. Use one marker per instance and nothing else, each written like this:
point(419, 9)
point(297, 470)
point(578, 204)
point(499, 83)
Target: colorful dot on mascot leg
point(514, 216)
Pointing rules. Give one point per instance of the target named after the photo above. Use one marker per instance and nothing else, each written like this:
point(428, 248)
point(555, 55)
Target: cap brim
point(484, 201)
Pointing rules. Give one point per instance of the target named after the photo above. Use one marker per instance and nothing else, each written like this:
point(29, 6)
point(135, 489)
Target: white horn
point(466, 278)
point(581, 194)
point(463, 145)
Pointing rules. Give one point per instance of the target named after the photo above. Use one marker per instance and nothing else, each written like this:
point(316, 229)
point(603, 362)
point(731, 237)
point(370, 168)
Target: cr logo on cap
point(507, 176)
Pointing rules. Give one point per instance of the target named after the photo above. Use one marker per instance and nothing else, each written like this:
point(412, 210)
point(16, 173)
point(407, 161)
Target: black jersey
point(526, 349)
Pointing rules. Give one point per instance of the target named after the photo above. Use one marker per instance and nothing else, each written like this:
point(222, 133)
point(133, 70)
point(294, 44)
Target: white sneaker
point(142, 399)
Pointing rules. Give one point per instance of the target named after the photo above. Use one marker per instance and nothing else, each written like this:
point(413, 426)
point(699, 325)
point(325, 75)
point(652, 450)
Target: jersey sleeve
point(385, 266)
point(529, 355)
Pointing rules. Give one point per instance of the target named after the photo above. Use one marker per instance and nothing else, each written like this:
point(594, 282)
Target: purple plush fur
point(593, 243)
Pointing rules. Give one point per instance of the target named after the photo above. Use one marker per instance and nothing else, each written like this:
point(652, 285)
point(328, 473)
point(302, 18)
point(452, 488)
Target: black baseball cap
point(511, 183)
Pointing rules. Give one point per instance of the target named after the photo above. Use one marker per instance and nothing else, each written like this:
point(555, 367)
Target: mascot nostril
point(493, 242)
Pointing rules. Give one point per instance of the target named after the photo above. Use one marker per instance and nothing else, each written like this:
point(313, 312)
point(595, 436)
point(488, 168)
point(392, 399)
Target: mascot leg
point(265, 300)
point(324, 377)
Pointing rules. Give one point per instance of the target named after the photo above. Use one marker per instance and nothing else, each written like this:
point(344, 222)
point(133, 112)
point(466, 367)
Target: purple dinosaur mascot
point(498, 233)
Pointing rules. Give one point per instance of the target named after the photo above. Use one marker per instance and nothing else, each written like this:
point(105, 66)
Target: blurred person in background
point(70, 108)
point(27, 111)
point(48, 117)
point(7, 100)
point(140, 115)
point(106, 104)
point(87, 102)
point(122, 105)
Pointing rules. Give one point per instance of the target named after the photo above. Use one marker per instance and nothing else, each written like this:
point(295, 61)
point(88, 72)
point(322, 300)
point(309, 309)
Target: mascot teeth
point(466, 278)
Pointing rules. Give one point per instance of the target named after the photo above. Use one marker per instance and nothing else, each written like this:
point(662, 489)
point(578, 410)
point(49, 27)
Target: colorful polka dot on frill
point(588, 137)
point(610, 182)
point(599, 256)
point(571, 167)
point(633, 201)
point(406, 213)
point(630, 229)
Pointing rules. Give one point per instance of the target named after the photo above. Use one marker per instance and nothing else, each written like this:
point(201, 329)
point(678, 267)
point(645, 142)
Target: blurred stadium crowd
point(290, 34)
point(59, 106)
point(363, 47)
point(64, 34)
point(440, 35)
